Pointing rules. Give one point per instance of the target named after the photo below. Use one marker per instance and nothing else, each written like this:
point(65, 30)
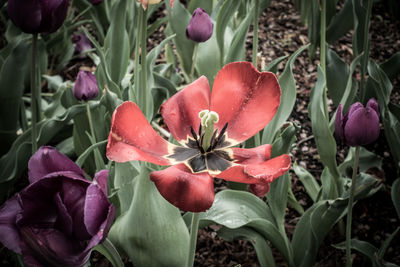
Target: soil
point(374, 219)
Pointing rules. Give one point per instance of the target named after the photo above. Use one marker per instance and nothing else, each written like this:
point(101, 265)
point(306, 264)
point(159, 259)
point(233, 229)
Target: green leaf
point(363, 247)
point(260, 244)
point(151, 232)
point(273, 65)
point(392, 66)
point(235, 209)
point(310, 183)
point(395, 192)
point(117, 43)
point(341, 23)
point(179, 18)
point(16, 160)
point(288, 97)
point(312, 228)
point(12, 85)
point(385, 245)
point(81, 159)
point(383, 86)
point(329, 190)
point(323, 137)
point(224, 17)
point(108, 250)
point(367, 160)
point(236, 51)
point(336, 69)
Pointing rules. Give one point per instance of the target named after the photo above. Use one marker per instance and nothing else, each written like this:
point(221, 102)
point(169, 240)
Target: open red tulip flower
point(207, 125)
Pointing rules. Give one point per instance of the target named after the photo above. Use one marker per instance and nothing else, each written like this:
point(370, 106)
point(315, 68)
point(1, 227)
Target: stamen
point(212, 141)
point(193, 133)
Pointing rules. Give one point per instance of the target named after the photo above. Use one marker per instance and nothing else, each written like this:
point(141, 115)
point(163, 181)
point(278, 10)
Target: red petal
point(182, 110)
point(252, 155)
point(262, 173)
point(245, 99)
point(259, 189)
point(184, 189)
point(132, 138)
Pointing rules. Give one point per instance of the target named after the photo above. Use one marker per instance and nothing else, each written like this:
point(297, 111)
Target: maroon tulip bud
point(360, 126)
point(85, 87)
point(38, 16)
point(81, 44)
point(200, 27)
point(60, 216)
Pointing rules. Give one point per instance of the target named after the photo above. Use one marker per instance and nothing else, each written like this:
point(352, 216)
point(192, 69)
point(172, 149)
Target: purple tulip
point(38, 16)
point(360, 126)
point(200, 27)
point(85, 87)
point(81, 44)
point(60, 216)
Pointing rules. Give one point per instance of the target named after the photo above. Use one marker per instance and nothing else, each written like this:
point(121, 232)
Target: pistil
point(208, 118)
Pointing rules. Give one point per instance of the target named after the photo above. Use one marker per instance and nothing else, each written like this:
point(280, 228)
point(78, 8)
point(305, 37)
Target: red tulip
point(244, 100)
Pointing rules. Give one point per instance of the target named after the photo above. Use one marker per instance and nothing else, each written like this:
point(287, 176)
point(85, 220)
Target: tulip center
point(208, 118)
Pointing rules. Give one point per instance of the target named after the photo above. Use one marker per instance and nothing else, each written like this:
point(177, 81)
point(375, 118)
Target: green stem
point(323, 53)
point(350, 207)
point(34, 93)
point(143, 62)
point(193, 238)
point(255, 34)
point(365, 56)
point(196, 46)
point(89, 115)
point(137, 57)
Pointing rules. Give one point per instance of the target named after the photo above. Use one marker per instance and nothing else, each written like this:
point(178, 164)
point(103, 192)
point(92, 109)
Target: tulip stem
point(364, 60)
point(323, 54)
point(89, 115)
point(195, 49)
point(193, 238)
point(350, 206)
point(34, 93)
point(143, 62)
point(255, 33)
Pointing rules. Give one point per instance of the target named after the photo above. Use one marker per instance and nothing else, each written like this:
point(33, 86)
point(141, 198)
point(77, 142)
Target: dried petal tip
point(200, 27)
point(85, 87)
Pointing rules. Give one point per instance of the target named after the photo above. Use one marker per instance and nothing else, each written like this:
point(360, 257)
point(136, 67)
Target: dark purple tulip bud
point(360, 126)
point(60, 216)
point(85, 87)
point(38, 16)
point(200, 27)
point(81, 44)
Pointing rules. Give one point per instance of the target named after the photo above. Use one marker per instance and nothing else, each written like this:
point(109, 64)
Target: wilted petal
point(9, 235)
point(259, 189)
point(245, 99)
point(254, 155)
point(48, 160)
point(132, 138)
point(186, 190)
point(181, 111)
point(50, 247)
point(374, 105)
point(96, 208)
point(261, 173)
point(362, 127)
point(339, 123)
point(200, 27)
point(101, 179)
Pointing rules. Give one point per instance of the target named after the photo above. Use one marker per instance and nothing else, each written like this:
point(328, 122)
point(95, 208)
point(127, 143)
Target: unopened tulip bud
point(38, 16)
point(200, 27)
point(85, 87)
point(359, 126)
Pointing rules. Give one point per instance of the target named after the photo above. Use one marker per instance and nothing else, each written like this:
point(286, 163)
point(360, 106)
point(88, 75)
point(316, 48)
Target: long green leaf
point(395, 192)
point(310, 183)
point(288, 98)
point(151, 232)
